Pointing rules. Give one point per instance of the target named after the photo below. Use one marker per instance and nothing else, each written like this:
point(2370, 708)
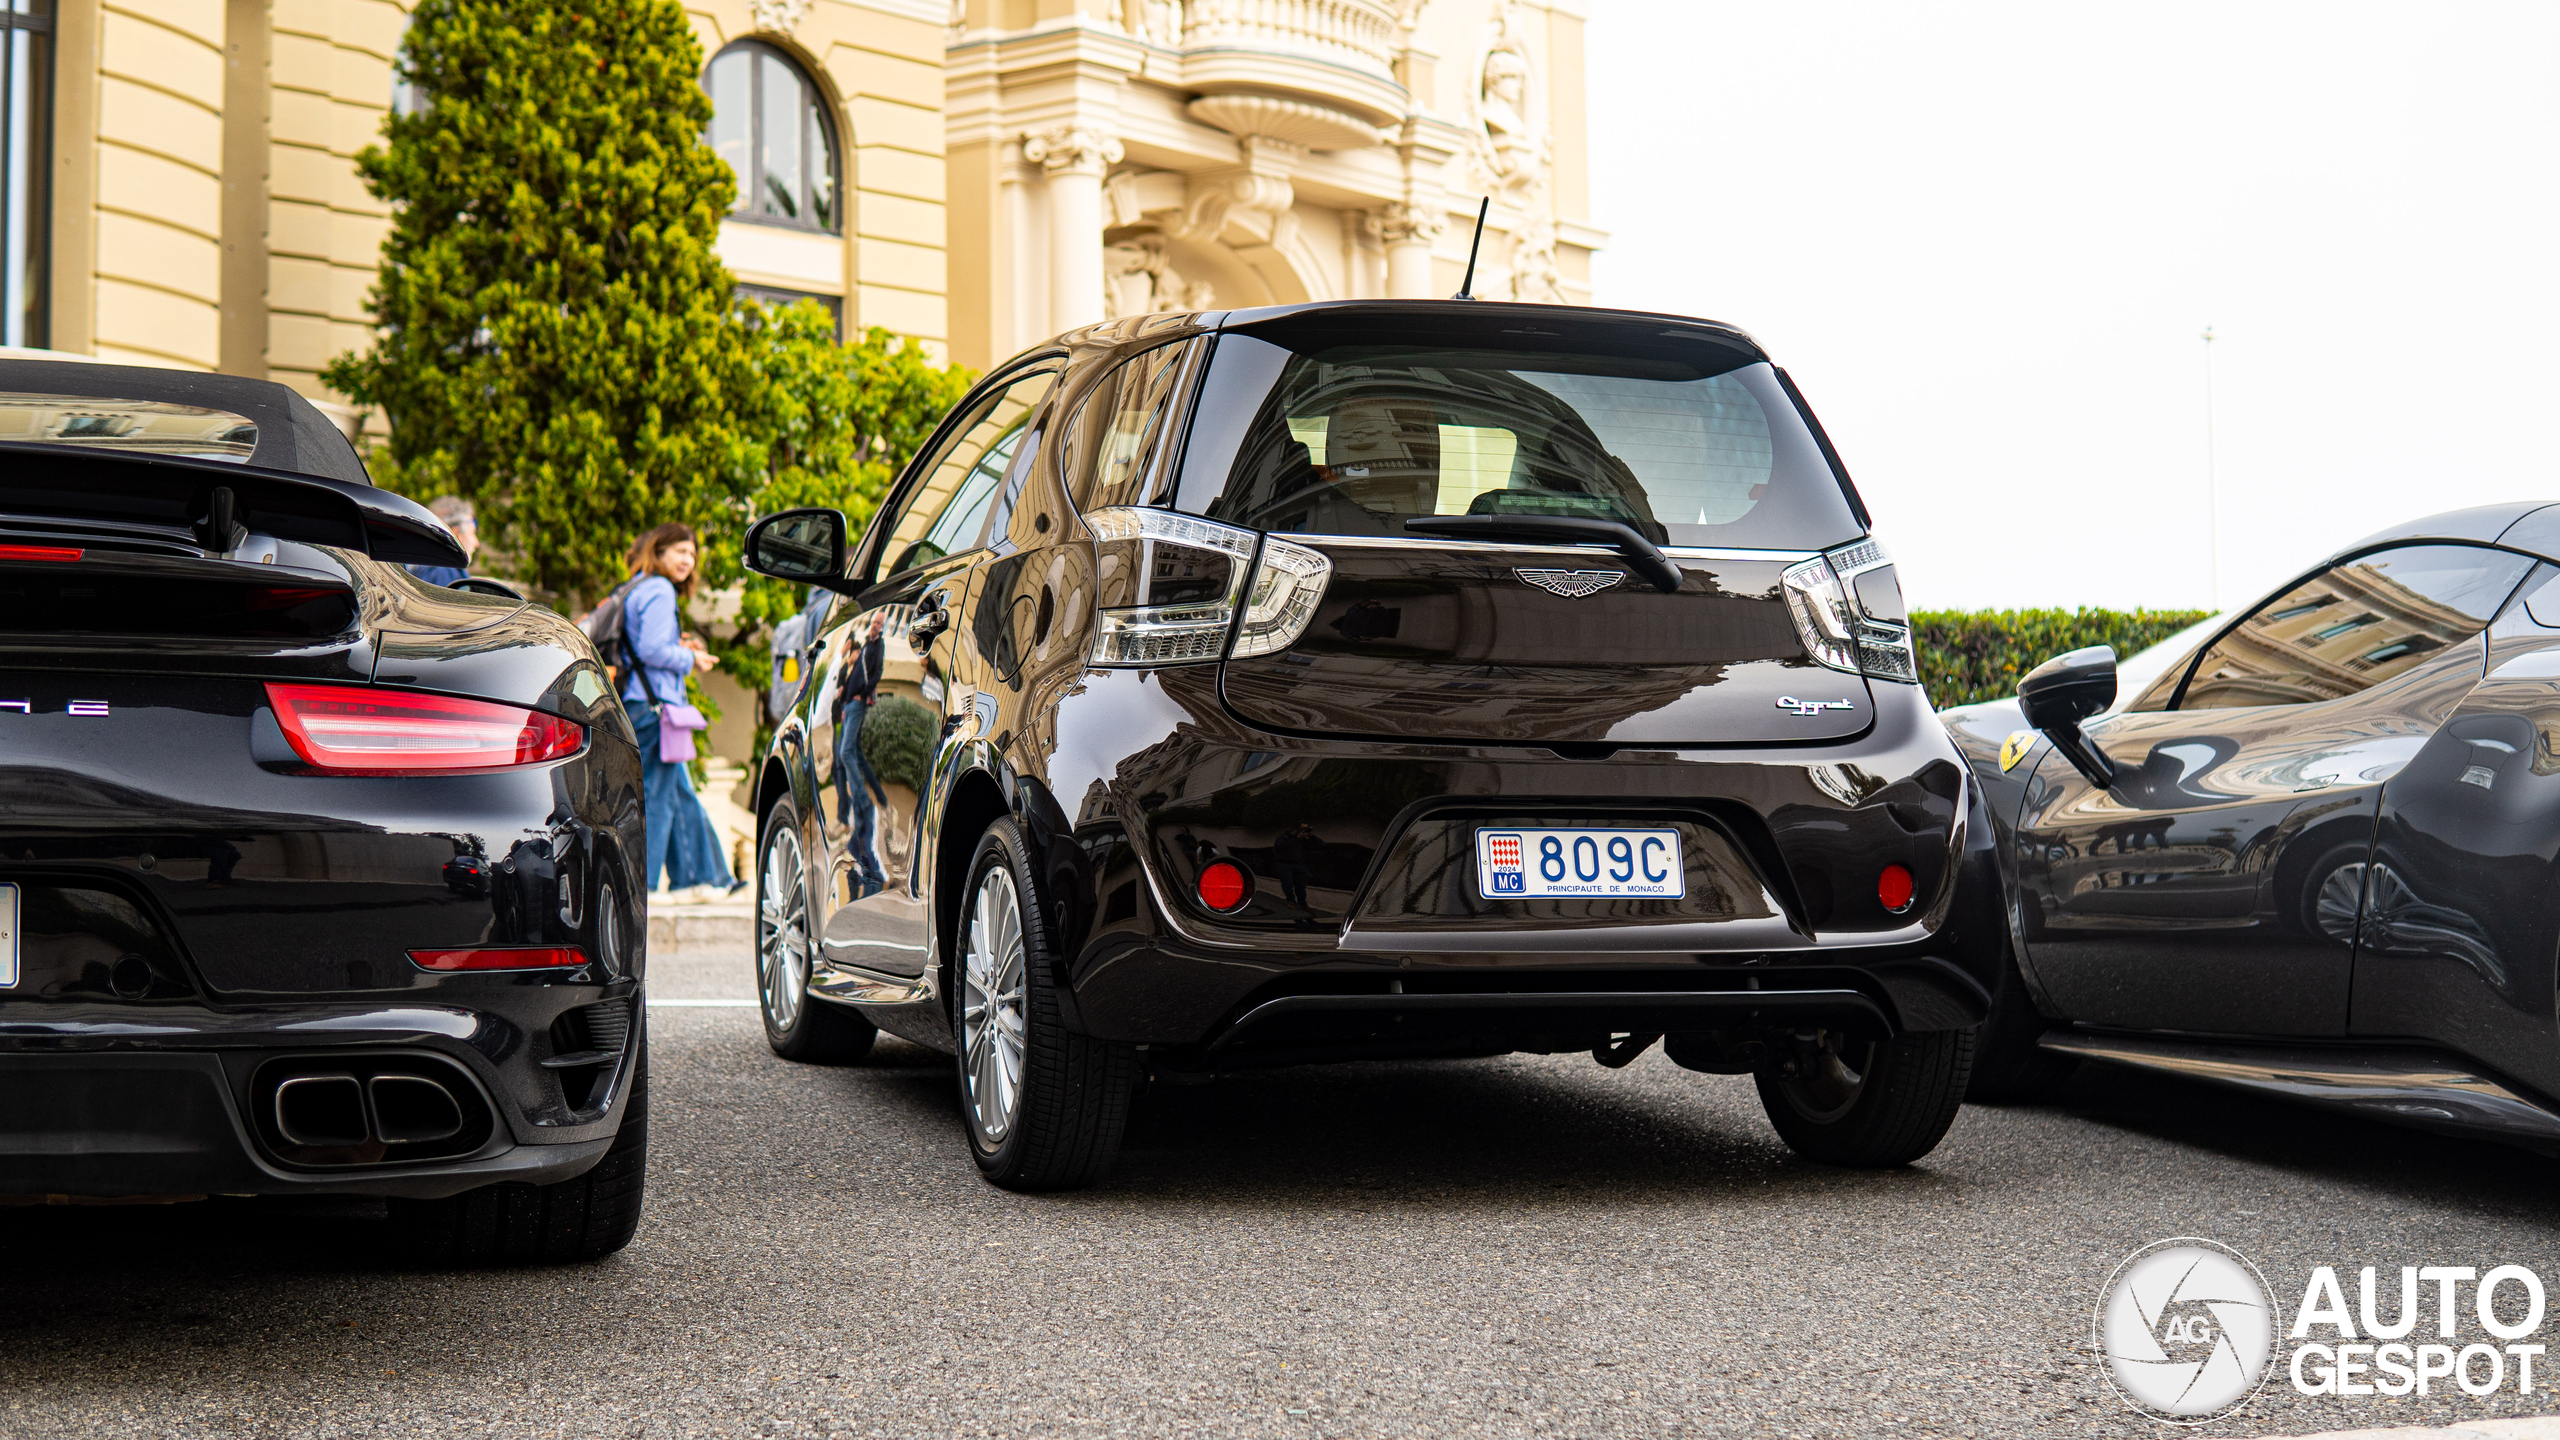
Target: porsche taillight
point(364, 730)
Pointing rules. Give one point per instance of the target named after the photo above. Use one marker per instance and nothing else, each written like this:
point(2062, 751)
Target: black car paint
point(273, 908)
point(1126, 781)
point(2456, 944)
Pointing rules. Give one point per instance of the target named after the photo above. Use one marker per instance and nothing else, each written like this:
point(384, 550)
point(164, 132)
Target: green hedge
point(1973, 655)
point(897, 738)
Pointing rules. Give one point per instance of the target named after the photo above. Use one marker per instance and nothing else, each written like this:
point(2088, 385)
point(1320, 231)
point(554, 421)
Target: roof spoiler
point(172, 500)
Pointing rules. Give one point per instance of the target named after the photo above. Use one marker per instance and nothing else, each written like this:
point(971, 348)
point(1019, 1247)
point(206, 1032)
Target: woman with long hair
point(663, 565)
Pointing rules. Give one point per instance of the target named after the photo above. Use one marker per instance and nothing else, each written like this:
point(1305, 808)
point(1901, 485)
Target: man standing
point(1294, 854)
point(857, 788)
point(455, 512)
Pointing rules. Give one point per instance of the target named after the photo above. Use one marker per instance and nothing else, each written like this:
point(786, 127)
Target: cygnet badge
point(2187, 1327)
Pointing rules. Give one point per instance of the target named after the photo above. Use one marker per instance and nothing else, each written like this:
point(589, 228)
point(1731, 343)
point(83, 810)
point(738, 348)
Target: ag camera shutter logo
point(2187, 1327)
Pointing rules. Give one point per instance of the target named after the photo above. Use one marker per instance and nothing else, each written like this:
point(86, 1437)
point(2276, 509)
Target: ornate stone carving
point(1315, 127)
point(1533, 263)
point(1138, 278)
point(1255, 196)
point(1511, 152)
point(1158, 22)
point(779, 17)
point(1071, 149)
point(1402, 222)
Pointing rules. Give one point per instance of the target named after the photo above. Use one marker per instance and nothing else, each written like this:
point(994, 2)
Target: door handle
point(926, 628)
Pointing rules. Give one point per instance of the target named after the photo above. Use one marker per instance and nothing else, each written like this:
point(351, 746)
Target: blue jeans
point(681, 840)
point(855, 785)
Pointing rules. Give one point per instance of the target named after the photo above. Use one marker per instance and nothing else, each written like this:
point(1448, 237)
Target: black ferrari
point(2309, 849)
point(314, 878)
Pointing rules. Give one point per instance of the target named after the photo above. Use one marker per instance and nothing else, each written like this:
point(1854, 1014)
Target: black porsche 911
point(1371, 679)
point(314, 878)
point(2310, 850)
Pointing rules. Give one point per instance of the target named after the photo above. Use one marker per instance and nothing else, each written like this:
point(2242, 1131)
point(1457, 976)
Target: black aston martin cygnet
point(1372, 679)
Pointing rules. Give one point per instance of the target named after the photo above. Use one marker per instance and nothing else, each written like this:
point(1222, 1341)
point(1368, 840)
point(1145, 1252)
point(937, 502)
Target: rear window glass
point(1355, 440)
point(145, 426)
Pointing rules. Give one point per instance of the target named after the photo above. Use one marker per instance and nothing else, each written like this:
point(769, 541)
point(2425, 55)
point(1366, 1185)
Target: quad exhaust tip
point(338, 1111)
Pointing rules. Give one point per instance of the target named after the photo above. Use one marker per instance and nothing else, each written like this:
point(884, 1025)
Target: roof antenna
point(1467, 287)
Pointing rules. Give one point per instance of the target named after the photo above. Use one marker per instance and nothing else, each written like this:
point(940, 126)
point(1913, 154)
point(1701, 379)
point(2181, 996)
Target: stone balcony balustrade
point(1337, 53)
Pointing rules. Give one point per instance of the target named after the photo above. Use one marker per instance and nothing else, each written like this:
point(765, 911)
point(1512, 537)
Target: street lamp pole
point(2212, 485)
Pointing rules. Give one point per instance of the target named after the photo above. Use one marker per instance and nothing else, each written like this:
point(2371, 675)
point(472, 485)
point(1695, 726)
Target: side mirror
point(2065, 690)
point(806, 546)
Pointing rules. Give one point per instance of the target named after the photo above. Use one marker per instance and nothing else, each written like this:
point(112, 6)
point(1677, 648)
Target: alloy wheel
point(782, 930)
point(991, 1007)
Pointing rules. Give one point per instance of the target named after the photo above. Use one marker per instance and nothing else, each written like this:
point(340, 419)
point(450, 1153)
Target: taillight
point(1223, 886)
point(1169, 587)
point(1894, 889)
point(56, 554)
point(502, 957)
point(356, 730)
point(1849, 613)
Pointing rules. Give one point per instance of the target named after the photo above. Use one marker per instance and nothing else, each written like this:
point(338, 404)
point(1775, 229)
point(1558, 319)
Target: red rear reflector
point(355, 730)
point(1893, 887)
point(58, 553)
point(502, 957)
point(1223, 885)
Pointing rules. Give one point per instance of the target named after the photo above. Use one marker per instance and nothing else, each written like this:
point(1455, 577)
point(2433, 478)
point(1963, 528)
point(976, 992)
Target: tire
point(798, 1025)
point(519, 1224)
point(1042, 1109)
point(1867, 1104)
point(2009, 1067)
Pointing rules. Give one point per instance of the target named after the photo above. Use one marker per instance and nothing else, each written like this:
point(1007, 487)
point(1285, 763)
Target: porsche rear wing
point(177, 506)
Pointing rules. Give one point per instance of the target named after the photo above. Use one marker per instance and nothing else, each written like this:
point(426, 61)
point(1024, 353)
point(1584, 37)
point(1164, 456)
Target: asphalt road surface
point(1517, 1246)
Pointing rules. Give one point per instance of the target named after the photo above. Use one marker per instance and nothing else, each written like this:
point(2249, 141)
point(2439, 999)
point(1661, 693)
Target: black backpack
point(605, 632)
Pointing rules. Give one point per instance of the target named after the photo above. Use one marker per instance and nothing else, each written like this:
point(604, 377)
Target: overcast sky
point(1985, 239)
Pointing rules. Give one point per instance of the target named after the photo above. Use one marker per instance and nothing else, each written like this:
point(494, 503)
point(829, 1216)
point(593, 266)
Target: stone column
point(1075, 159)
point(1409, 232)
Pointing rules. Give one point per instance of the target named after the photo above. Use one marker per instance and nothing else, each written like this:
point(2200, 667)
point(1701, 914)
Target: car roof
point(1106, 341)
point(293, 436)
point(1567, 320)
point(2532, 525)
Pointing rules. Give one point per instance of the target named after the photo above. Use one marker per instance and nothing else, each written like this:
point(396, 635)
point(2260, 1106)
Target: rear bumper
point(177, 1101)
point(1488, 1003)
point(1375, 903)
point(170, 1123)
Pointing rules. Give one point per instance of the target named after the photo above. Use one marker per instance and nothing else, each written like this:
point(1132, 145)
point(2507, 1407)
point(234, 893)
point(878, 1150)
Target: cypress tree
point(556, 336)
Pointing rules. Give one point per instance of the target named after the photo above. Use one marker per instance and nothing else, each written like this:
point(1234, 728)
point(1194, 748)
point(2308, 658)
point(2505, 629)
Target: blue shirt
point(436, 574)
point(653, 636)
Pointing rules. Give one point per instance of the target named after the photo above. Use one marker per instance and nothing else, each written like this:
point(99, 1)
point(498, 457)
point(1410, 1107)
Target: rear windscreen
point(150, 427)
point(1357, 439)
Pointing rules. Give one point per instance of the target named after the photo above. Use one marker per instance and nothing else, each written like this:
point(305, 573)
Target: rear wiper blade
point(1643, 556)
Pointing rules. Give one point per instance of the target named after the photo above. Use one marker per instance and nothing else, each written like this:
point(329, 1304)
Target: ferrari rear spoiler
point(175, 505)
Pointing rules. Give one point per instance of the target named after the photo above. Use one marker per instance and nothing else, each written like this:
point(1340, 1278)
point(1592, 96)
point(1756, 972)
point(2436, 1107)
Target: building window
point(771, 295)
point(26, 165)
point(769, 122)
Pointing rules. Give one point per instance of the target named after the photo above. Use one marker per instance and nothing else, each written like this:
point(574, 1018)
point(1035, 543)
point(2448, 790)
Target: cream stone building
point(179, 186)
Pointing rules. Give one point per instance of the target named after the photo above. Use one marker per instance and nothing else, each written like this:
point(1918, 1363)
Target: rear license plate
point(8, 936)
point(1525, 864)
